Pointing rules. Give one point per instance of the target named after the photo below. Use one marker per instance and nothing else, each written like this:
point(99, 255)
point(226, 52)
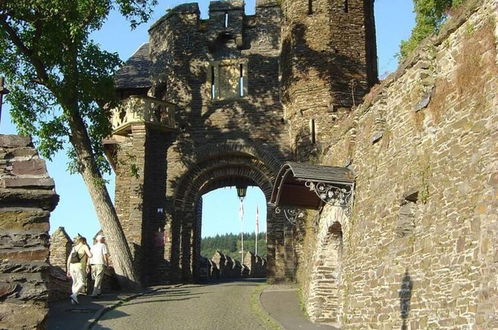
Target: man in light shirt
point(98, 261)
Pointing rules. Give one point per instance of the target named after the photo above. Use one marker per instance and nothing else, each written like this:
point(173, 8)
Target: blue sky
point(394, 21)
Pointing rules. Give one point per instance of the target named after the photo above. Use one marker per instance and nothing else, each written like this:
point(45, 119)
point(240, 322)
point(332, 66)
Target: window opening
point(213, 84)
point(313, 131)
point(241, 80)
point(225, 21)
point(310, 7)
point(346, 6)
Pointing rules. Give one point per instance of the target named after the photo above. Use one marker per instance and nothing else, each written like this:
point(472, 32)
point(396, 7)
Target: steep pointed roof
point(135, 72)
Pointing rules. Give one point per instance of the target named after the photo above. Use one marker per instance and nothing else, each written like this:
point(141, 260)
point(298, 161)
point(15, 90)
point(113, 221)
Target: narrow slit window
point(213, 84)
point(346, 6)
point(241, 80)
point(225, 20)
point(310, 7)
point(312, 131)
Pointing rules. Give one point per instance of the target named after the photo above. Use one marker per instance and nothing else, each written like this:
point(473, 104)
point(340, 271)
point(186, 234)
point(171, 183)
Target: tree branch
point(35, 61)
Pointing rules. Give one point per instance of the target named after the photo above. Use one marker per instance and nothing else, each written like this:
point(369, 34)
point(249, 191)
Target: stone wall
point(221, 141)
point(27, 197)
point(328, 63)
point(419, 250)
point(59, 286)
point(256, 265)
point(223, 266)
point(60, 247)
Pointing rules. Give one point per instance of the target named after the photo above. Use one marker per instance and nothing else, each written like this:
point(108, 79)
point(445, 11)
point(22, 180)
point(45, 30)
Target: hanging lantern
point(241, 191)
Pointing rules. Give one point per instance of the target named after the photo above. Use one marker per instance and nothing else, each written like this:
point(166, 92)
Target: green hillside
point(229, 244)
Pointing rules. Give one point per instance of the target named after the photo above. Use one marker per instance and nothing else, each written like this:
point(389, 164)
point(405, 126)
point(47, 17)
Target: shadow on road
point(114, 314)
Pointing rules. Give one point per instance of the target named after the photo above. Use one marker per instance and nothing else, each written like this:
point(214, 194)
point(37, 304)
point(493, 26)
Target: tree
point(59, 81)
point(429, 15)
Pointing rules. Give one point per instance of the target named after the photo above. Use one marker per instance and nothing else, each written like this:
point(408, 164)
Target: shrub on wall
point(430, 15)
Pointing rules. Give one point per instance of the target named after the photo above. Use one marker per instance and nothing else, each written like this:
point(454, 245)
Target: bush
point(430, 15)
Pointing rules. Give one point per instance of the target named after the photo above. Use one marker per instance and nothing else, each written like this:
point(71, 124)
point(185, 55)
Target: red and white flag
point(257, 220)
point(241, 211)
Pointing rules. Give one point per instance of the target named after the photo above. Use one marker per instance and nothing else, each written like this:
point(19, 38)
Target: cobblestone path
point(212, 306)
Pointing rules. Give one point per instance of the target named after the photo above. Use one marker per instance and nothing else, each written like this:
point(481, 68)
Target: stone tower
point(328, 63)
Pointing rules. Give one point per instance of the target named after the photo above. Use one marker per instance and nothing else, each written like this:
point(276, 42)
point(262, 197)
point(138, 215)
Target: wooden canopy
point(295, 183)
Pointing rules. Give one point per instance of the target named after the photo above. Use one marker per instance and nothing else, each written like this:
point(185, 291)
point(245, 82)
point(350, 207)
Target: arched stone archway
point(217, 166)
point(323, 304)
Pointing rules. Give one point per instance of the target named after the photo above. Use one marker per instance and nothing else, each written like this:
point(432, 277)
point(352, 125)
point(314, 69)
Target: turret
point(328, 63)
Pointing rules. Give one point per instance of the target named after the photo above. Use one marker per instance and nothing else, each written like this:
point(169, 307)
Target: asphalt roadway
point(242, 304)
point(208, 306)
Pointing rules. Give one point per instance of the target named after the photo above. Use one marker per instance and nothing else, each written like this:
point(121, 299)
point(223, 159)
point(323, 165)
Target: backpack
point(74, 258)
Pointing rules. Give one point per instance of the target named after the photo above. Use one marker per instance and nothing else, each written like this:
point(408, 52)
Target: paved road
point(212, 306)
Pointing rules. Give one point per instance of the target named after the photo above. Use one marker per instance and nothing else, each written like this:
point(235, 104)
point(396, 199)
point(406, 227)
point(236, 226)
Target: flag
point(257, 221)
point(241, 211)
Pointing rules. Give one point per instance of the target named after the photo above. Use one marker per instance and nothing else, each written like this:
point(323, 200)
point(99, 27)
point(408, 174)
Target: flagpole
point(242, 229)
point(241, 192)
point(257, 231)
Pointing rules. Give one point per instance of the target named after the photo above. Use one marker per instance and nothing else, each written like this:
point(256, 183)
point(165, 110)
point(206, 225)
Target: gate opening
point(232, 234)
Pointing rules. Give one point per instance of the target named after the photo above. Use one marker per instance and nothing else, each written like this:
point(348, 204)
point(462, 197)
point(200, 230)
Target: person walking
point(76, 266)
point(99, 262)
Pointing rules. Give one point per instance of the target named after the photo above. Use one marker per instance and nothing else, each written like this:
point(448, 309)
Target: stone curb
point(96, 317)
point(272, 322)
point(271, 318)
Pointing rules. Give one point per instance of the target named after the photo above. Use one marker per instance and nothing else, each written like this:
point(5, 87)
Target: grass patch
point(302, 304)
point(256, 307)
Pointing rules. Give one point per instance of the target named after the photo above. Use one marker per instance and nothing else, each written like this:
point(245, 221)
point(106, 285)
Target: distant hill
point(229, 244)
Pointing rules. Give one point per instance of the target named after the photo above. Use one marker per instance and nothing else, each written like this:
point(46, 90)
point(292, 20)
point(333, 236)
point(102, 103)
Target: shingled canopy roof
point(135, 71)
point(290, 188)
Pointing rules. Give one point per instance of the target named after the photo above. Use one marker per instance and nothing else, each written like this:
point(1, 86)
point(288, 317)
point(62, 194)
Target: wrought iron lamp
point(241, 191)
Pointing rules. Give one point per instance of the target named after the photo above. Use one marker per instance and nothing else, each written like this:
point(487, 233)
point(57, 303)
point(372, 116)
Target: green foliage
point(229, 244)
point(60, 79)
point(430, 14)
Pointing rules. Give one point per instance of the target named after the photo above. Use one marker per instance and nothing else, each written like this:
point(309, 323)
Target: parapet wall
point(27, 197)
point(419, 251)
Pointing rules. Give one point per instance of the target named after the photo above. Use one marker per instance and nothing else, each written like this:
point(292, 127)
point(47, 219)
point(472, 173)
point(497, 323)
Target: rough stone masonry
point(417, 247)
point(419, 250)
point(27, 196)
point(236, 120)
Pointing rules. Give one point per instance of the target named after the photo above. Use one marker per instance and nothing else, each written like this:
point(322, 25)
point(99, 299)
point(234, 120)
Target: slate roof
point(290, 189)
point(135, 71)
point(303, 171)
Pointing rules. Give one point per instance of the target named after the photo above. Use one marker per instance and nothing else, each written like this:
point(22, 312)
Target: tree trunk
point(106, 213)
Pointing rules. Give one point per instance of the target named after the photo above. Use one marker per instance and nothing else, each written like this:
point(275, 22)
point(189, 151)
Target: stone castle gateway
point(219, 102)
point(228, 100)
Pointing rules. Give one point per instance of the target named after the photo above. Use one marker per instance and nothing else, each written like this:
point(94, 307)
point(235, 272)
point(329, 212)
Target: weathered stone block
point(24, 219)
point(27, 183)
point(19, 153)
point(14, 141)
point(45, 199)
point(29, 167)
point(24, 234)
point(19, 254)
point(23, 316)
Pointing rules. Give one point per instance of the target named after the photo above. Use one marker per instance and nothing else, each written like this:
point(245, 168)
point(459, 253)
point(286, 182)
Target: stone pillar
point(141, 170)
point(60, 247)
point(59, 286)
point(27, 196)
point(196, 256)
point(249, 262)
point(218, 260)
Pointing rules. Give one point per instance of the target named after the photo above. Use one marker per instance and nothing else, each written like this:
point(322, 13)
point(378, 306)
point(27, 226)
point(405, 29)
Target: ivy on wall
point(430, 15)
